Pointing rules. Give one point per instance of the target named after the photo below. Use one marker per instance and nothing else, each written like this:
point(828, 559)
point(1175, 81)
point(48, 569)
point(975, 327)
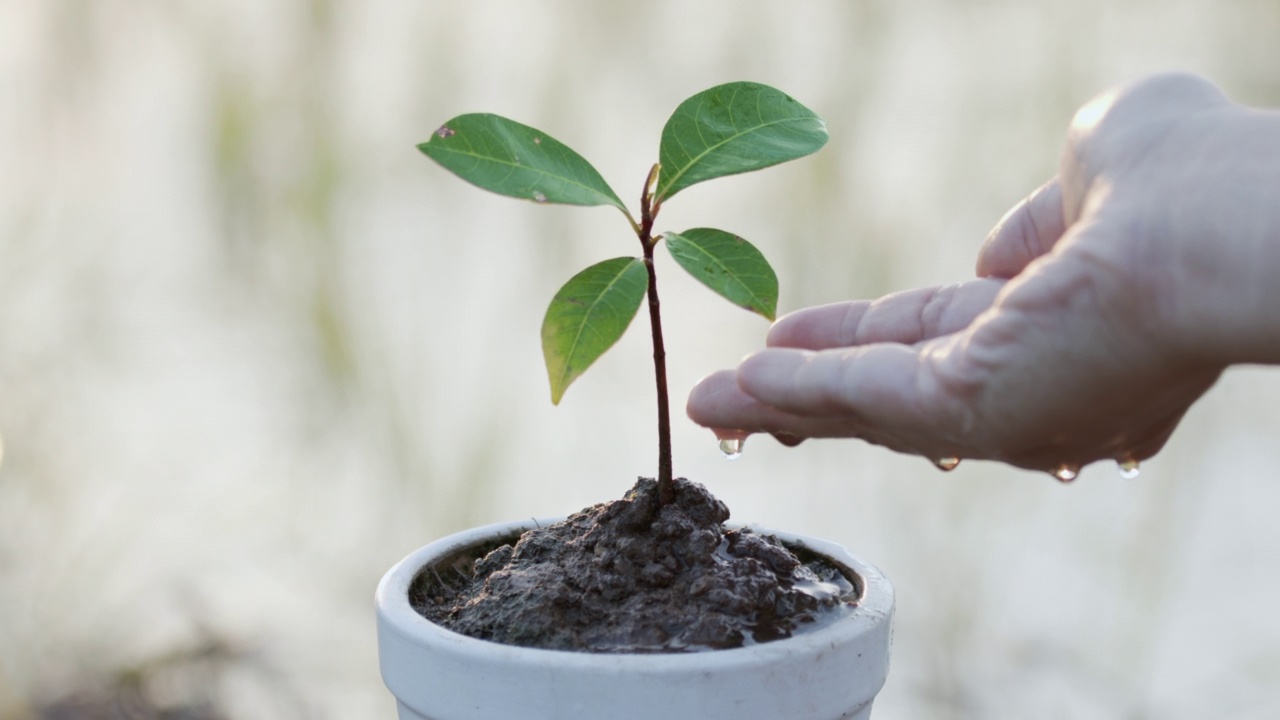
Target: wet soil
point(631, 576)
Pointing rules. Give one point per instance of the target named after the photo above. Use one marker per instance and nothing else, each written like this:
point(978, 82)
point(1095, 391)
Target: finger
point(1026, 232)
point(905, 317)
point(887, 393)
point(717, 402)
point(724, 433)
point(741, 435)
point(788, 439)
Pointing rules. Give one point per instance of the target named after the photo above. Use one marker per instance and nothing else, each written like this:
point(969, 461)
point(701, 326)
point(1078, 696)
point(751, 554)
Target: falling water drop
point(539, 197)
point(1066, 473)
point(947, 464)
point(731, 447)
point(1128, 468)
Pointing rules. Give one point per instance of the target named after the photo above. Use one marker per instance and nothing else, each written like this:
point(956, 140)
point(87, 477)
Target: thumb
point(1026, 232)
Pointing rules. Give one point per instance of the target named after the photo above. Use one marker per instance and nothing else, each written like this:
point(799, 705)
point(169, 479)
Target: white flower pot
point(828, 673)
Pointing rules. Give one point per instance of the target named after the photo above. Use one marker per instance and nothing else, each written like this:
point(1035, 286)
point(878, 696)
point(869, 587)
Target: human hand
point(1107, 303)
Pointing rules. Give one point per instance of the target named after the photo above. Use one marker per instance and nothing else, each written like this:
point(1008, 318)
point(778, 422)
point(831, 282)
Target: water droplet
point(539, 197)
point(1066, 473)
point(445, 131)
point(947, 464)
point(1128, 468)
point(731, 447)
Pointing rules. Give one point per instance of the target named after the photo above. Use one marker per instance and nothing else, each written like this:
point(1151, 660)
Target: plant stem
point(666, 485)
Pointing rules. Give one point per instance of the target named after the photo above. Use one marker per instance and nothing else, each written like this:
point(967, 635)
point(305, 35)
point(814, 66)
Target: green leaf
point(731, 266)
point(588, 315)
point(734, 128)
point(508, 158)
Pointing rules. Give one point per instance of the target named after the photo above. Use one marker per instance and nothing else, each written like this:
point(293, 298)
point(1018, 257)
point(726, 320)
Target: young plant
point(729, 129)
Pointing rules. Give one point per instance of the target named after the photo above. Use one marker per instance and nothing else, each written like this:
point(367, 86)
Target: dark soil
point(630, 576)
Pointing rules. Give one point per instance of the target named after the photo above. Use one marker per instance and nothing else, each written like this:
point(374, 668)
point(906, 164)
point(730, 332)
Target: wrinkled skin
point(1106, 303)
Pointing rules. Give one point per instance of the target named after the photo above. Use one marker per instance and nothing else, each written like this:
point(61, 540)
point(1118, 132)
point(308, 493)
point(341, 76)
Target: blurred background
point(254, 348)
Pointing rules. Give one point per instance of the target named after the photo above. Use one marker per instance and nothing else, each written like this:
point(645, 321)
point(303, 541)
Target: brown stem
point(648, 211)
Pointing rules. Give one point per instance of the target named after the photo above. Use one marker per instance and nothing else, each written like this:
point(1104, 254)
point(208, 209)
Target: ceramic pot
point(829, 673)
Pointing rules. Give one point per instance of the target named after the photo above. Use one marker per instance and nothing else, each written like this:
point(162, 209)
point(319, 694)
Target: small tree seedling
point(729, 129)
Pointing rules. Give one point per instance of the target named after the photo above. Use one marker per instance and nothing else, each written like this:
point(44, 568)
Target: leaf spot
point(445, 131)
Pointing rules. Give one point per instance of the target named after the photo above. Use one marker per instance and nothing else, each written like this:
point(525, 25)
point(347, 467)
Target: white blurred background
point(254, 347)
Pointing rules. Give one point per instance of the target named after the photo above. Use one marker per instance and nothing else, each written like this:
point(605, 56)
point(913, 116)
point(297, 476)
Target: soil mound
point(631, 576)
